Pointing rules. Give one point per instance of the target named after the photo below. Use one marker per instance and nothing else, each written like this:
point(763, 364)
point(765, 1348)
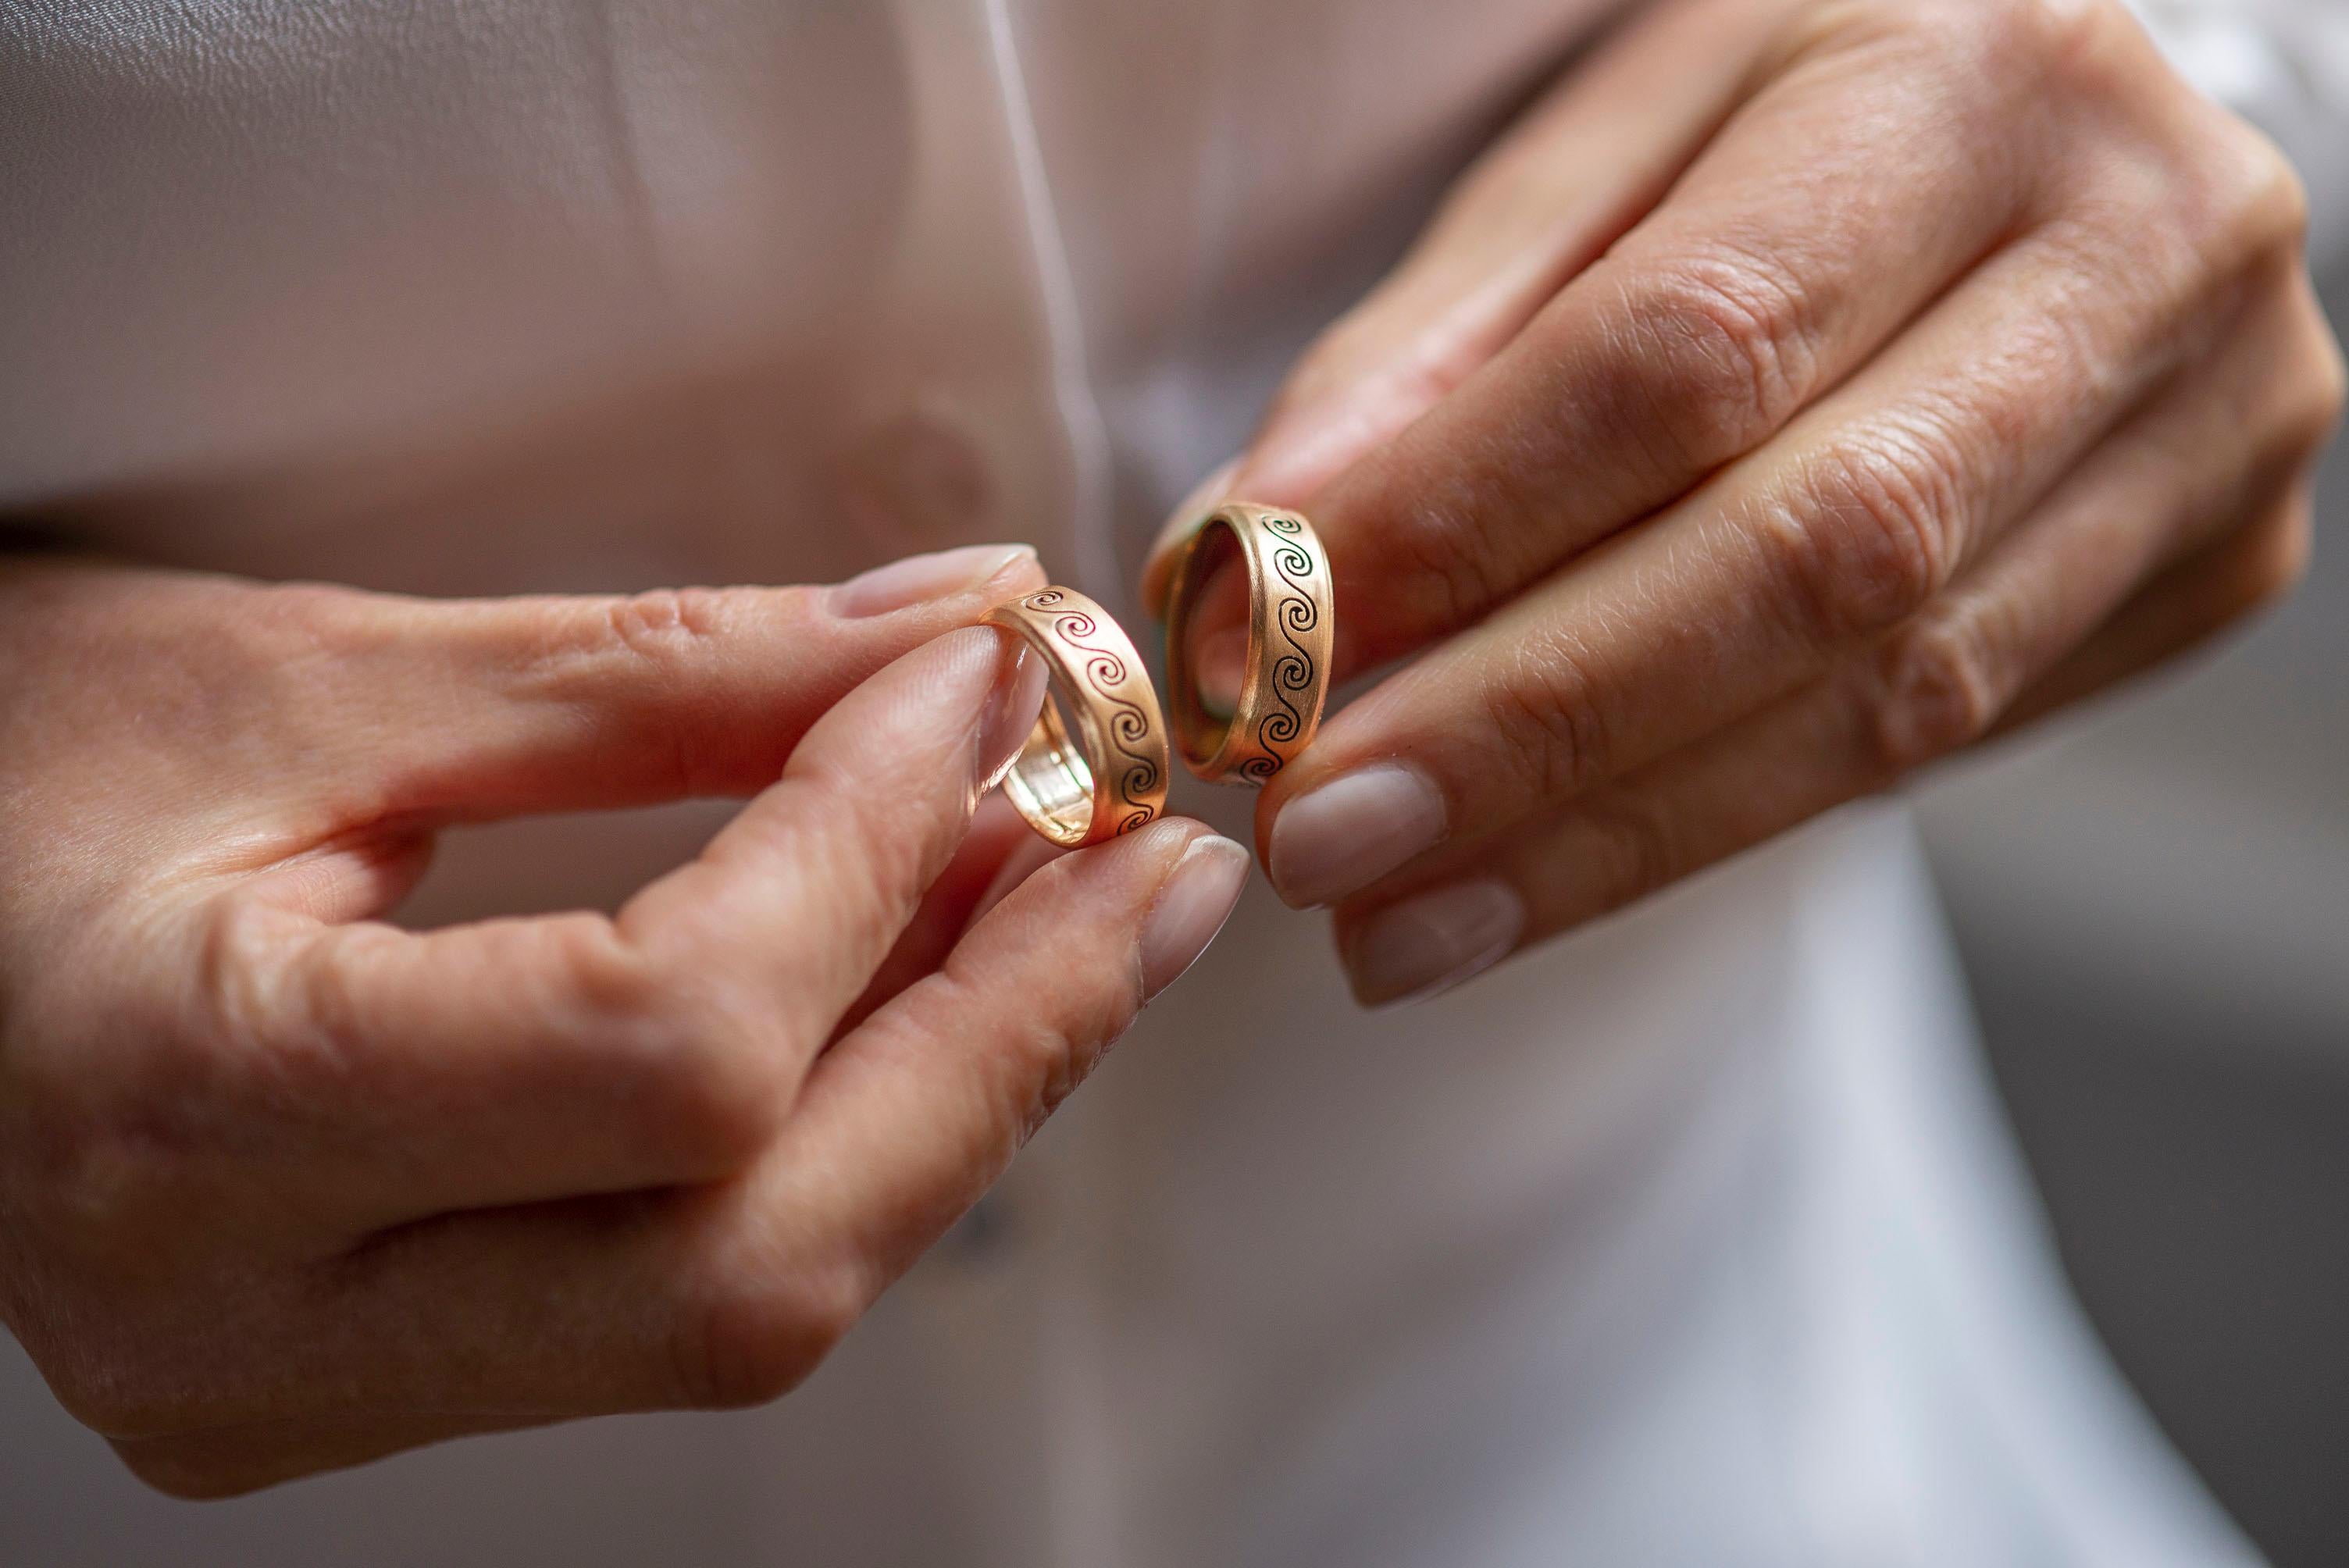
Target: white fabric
point(2284, 65)
point(1692, 1239)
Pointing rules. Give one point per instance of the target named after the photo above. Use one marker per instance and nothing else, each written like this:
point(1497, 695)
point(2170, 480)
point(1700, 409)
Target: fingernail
point(1192, 906)
point(1433, 942)
point(1179, 522)
point(918, 578)
point(1012, 705)
point(1345, 835)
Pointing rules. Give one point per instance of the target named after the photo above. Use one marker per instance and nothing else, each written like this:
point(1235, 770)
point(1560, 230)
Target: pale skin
point(283, 1187)
point(1801, 392)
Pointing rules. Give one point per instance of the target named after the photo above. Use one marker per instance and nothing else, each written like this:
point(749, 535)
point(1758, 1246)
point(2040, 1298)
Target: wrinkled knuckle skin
point(1723, 352)
point(664, 625)
point(241, 964)
point(753, 1341)
point(1071, 1051)
point(276, 1030)
point(1543, 715)
point(1935, 693)
point(1868, 539)
point(1449, 549)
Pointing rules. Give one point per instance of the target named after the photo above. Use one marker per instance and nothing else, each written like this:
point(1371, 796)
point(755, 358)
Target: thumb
point(909, 1118)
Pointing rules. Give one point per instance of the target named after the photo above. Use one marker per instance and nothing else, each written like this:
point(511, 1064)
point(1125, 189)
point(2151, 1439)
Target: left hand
point(1807, 390)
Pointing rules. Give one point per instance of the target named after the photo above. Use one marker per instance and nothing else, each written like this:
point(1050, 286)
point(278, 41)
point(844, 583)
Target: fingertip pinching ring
point(1095, 765)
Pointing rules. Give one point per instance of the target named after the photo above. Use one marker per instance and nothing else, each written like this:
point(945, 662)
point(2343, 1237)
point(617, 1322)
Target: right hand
point(283, 1187)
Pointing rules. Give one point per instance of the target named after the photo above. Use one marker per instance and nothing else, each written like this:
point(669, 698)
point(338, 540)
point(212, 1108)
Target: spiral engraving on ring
point(1129, 723)
point(1292, 672)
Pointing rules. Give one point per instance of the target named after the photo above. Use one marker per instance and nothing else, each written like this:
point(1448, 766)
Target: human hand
point(282, 1187)
point(1807, 390)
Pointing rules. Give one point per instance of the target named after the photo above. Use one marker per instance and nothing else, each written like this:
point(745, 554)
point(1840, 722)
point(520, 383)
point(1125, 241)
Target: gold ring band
point(1288, 637)
point(1095, 764)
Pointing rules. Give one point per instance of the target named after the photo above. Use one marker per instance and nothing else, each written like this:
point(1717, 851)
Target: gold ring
point(1095, 764)
point(1289, 636)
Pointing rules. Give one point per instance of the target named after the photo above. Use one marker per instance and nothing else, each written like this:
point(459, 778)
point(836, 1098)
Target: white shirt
point(1695, 1239)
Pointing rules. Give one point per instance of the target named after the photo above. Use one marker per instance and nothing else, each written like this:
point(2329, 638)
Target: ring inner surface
point(1199, 728)
point(1050, 782)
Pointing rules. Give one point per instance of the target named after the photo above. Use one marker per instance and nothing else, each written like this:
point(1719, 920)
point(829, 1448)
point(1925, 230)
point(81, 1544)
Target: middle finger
point(1761, 283)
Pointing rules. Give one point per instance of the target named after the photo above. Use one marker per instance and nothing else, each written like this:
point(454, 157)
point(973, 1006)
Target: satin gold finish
point(1095, 765)
point(1288, 638)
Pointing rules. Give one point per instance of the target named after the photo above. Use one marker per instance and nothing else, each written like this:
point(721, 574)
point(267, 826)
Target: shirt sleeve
point(2283, 65)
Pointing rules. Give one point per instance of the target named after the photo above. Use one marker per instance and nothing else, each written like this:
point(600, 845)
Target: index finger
point(1759, 282)
point(514, 1060)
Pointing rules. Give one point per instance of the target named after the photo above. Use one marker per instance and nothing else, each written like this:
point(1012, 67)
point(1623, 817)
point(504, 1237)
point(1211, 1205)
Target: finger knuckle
point(279, 1022)
point(758, 1335)
point(100, 1202)
point(1865, 536)
point(2326, 397)
point(2270, 197)
point(1721, 349)
point(650, 643)
point(2231, 192)
point(1456, 555)
point(240, 964)
point(1935, 690)
point(1066, 1055)
point(186, 1470)
point(1543, 710)
point(107, 1388)
point(290, 621)
point(664, 625)
point(2018, 38)
point(2283, 440)
point(83, 1196)
point(1998, 42)
point(2278, 555)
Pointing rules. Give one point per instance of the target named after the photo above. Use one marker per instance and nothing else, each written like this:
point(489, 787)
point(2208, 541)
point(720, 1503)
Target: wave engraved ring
point(1289, 630)
point(1095, 765)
